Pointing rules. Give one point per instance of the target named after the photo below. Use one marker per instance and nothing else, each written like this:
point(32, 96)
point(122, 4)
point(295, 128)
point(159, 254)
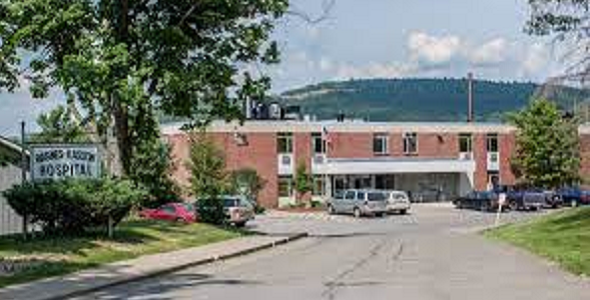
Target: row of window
point(381, 143)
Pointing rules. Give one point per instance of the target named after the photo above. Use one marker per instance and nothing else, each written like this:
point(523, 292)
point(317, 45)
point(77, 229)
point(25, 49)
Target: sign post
point(63, 161)
point(501, 202)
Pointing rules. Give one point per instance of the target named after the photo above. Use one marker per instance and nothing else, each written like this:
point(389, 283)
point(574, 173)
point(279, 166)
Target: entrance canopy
point(389, 165)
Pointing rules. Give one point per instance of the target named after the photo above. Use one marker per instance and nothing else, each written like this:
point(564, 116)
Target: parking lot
point(432, 253)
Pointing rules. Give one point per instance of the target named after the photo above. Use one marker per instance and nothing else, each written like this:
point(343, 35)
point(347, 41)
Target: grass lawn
point(563, 237)
point(44, 257)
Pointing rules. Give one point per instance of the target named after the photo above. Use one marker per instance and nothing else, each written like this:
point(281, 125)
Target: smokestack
point(470, 97)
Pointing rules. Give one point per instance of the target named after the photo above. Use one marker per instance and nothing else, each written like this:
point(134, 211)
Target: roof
point(10, 145)
point(346, 126)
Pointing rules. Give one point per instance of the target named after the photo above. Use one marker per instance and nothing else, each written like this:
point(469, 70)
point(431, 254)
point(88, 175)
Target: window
point(492, 142)
point(410, 143)
point(375, 196)
point(380, 144)
point(284, 142)
point(360, 195)
point(318, 144)
point(319, 187)
point(465, 142)
point(285, 186)
point(349, 195)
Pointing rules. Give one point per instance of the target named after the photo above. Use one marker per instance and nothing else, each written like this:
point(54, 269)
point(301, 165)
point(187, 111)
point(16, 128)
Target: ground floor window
point(285, 186)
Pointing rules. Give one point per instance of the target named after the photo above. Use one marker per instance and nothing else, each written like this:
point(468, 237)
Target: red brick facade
point(258, 150)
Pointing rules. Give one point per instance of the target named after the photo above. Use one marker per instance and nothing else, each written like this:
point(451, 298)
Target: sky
point(382, 39)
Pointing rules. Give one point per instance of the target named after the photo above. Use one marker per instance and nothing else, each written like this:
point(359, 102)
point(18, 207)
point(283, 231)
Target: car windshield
point(231, 202)
point(376, 196)
point(188, 206)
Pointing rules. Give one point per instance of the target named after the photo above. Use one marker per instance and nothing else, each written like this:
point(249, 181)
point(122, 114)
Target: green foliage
point(209, 178)
point(151, 165)
point(210, 210)
point(303, 180)
point(547, 146)
point(557, 16)
point(118, 59)
point(420, 99)
point(74, 205)
point(58, 126)
point(247, 182)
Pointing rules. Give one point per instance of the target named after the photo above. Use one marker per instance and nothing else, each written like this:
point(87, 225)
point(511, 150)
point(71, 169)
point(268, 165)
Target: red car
point(179, 212)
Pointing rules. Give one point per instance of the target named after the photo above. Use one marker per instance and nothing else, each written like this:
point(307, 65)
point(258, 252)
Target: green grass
point(57, 256)
point(563, 237)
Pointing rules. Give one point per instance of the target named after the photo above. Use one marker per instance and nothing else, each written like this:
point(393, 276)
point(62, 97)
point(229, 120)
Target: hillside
point(419, 99)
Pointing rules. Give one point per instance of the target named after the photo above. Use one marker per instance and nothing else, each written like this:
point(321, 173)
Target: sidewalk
point(140, 268)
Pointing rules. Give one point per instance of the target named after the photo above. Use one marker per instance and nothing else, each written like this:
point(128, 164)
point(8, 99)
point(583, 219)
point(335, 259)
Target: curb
point(200, 262)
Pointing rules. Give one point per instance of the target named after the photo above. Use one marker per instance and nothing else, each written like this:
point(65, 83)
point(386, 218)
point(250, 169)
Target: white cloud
point(433, 50)
point(325, 64)
point(535, 59)
point(490, 53)
point(373, 70)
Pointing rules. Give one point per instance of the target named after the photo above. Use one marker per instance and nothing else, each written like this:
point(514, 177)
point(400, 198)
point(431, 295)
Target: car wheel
point(240, 224)
point(179, 220)
point(573, 203)
point(403, 211)
point(357, 212)
point(513, 206)
point(331, 210)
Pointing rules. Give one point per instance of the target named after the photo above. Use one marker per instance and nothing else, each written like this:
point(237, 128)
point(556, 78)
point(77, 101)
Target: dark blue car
point(574, 196)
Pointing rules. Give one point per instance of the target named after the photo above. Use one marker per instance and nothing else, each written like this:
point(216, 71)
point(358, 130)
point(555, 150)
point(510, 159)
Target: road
point(433, 253)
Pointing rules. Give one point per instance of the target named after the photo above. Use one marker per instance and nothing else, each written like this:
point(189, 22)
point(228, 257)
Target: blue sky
point(382, 39)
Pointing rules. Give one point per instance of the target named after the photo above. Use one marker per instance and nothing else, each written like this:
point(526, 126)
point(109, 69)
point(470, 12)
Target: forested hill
point(420, 99)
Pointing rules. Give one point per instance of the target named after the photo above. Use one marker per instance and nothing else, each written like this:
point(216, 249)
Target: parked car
point(359, 203)
point(574, 196)
point(179, 212)
point(519, 198)
point(238, 210)
point(398, 202)
point(479, 200)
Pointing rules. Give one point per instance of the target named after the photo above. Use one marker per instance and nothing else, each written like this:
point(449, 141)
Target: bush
point(210, 210)
point(73, 206)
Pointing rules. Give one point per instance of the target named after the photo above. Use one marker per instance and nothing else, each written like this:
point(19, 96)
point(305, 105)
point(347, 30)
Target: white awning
point(388, 165)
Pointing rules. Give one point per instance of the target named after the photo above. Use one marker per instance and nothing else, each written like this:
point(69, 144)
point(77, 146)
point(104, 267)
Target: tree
point(246, 181)
point(303, 181)
point(209, 178)
point(120, 59)
point(58, 126)
point(568, 21)
point(547, 146)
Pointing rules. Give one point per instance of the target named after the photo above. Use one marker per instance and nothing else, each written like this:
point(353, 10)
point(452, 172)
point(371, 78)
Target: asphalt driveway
point(432, 253)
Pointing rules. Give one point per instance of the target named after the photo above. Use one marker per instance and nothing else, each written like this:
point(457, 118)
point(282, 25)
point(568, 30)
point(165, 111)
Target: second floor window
point(492, 142)
point(410, 143)
point(465, 143)
point(284, 142)
point(318, 145)
point(380, 144)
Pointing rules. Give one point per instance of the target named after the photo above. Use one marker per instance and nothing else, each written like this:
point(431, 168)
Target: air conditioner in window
point(465, 156)
point(285, 159)
point(319, 159)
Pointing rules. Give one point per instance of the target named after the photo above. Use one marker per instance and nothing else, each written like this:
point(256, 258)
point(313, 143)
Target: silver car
point(398, 202)
point(359, 203)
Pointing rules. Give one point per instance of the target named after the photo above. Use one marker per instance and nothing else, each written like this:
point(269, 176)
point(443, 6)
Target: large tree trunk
point(123, 142)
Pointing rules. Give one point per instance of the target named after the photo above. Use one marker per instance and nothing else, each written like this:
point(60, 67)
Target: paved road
point(432, 253)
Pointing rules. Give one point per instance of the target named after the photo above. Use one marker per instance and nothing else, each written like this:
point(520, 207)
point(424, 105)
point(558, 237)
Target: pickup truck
point(479, 200)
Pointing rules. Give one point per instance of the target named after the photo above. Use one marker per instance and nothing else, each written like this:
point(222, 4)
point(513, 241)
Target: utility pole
point(470, 97)
point(24, 171)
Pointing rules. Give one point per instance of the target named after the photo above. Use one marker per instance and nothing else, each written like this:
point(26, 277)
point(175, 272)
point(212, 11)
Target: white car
point(398, 202)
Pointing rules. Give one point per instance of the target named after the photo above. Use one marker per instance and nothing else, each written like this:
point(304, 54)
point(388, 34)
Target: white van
point(398, 202)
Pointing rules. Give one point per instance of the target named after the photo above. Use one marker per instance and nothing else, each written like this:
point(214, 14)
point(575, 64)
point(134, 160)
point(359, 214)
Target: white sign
point(502, 198)
point(64, 161)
